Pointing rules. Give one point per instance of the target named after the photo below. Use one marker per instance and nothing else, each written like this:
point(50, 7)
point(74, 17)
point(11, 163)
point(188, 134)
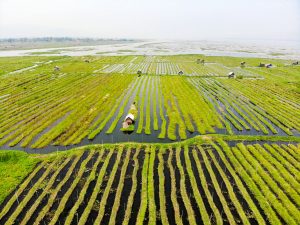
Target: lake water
point(237, 48)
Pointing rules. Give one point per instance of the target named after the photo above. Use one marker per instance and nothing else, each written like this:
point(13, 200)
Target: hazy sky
point(152, 19)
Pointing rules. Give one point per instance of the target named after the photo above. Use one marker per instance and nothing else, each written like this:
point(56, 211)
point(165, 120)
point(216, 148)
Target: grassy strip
point(217, 187)
point(269, 180)
point(16, 117)
point(53, 195)
point(120, 114)
point(292, 150)
point(117, 202)
point(148, 108)
point(67, 126)
point(68, 129)
point(242, 122)
point(231, 193)
point(83, 191)
point(107, 190)
point(286, 155)
point(238, 181)
point(205, 187)
point(162, 197)
point(14, 167)
point(163, 126)
point(290, 167)
point(265, 205)
point(141, 111)
point(144, 195)
point(275, 174)
point(173, 189)
point(87, 121)
point(151, 195)
point(106, 112)
point(30, 194)
point(155, 95)
point(96, 190)
point(274, 108)
point(84, 122)
point(233, 122)
point(257, 138)
point(206, 116)
point(266, 123)
point(251, 119)
point(273, 119)
point(185, 197)
point(133, 189)
point(45, 192)
point(67, 195)
point(264, 189)
point(22, 187)
point(28, 124)
point(171, 109)
point(280, 167)
point(238, 106)
point(296, 148)
point(197, 195)
point(226, 96)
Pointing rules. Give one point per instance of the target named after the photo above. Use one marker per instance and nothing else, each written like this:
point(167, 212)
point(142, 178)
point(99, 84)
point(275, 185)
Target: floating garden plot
point(236, 159)
point(74, 100)
point(195, 183)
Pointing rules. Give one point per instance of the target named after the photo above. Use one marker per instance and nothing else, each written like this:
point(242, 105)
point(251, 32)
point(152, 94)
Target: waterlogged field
point(236, 159)
point(198, 182)
point(79, 100)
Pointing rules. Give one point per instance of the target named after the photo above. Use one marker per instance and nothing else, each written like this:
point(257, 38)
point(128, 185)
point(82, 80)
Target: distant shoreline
point(7, 44)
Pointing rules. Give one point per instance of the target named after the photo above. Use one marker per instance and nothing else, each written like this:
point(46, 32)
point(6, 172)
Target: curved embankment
point(221, 181)
point(231, 139)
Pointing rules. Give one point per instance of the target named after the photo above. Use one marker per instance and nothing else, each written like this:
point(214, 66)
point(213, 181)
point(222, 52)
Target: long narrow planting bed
point(202, 147)
point(206, 180)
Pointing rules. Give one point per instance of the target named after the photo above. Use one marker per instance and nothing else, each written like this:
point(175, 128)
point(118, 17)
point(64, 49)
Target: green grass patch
point(14, 167)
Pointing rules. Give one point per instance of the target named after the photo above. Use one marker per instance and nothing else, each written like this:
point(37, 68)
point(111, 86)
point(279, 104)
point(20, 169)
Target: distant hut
point(243, 64)
point(139, 73)
point(180, 72)
point(231, 75)
point(269, 65)
point(295, 63)
point(202, 61)
point(87, 61)
point(56, 68)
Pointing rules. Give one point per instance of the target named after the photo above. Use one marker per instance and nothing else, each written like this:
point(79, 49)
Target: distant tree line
point(60, 39)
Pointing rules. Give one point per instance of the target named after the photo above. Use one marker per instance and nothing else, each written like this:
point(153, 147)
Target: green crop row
point(202, 178)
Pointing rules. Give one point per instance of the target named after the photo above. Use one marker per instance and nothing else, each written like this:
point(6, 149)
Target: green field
point(205, 149)
point(89, 97)
point(201, 181)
